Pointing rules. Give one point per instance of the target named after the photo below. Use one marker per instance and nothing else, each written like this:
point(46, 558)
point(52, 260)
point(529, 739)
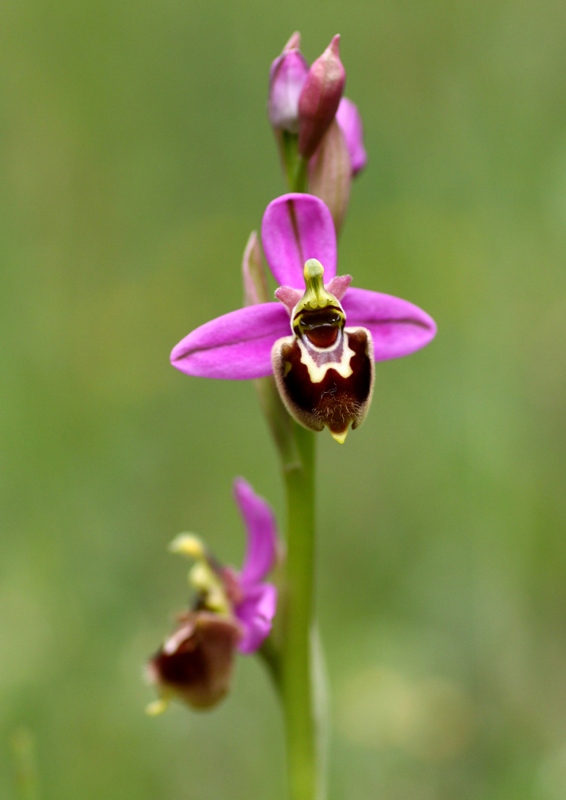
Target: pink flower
point(232, 611)
point(298, 234)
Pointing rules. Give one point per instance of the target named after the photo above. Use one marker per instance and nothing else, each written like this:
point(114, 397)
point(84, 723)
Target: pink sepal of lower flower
point(237, 345)
point(257, 601)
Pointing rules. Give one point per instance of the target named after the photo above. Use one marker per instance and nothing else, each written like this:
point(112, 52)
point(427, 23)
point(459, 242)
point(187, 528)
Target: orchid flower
point(321, 339)
point(233, 610)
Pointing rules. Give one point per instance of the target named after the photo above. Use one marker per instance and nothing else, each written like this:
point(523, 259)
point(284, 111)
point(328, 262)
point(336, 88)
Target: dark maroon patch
point(198, 668)
point(323, 335)
point(336, 401)
point(187, 665)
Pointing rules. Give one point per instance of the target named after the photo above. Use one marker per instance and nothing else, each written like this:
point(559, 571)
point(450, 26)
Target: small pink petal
point(288, 296)
point(398, 327)
point(236, 346)
point(297, 227)
point(256, 612)
point(261, 531)
point(339, 285)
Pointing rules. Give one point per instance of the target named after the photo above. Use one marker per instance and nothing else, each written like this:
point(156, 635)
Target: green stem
point(279, 422)
point(297, 687)
point(297, 673)
point(289, 143)
point(293, 652)
point(295, 166)
point(301, 175)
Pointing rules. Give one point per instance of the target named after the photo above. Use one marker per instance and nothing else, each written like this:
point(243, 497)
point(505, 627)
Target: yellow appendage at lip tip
point(340, 437)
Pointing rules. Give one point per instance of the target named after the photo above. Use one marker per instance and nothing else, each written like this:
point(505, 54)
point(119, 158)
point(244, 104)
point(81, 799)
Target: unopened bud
point(320, 98)
point(253, 273)
point(330, 173)
point(286, 80)
point(349, 119)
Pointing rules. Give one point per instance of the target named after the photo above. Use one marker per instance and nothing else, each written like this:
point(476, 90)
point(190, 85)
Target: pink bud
point(330, 173)
point(253, 273)
point(320, 98)
point(286, 80)
point(349, 119)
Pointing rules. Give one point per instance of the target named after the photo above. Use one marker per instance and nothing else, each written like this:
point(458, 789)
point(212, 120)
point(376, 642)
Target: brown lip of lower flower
point(195, 663)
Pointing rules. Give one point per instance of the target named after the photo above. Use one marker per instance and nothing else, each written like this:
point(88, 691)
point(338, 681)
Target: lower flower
point(232, 611)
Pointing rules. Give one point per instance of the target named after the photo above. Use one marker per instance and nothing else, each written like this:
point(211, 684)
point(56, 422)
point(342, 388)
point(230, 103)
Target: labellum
point(195, 663)
point(324, 371)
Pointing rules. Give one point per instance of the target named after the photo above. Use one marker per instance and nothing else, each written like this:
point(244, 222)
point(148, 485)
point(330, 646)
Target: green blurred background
point(135, 159)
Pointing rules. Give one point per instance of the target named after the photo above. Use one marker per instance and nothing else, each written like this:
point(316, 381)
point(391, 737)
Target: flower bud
point(320, 98)
point(286, 79)
point(195, 663)
point(349, 119)
point(253, 273)
point(330, 173)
